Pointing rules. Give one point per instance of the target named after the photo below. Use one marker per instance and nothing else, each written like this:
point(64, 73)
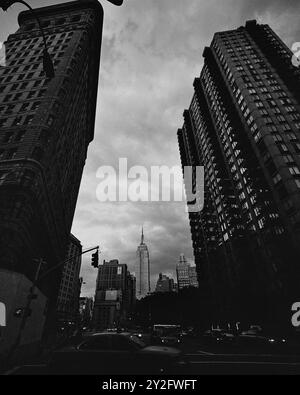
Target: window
point(11, 154)
point(20, 136)
point(294, 170)
point(288, 159)
point(60, 21)
point(25, 107)
point(76, 18)
point(291, 136)
point(28, 120)
point(17, 96)
point(35, 106)
point(29, 27)
point(50, 121)
point(31, 94)
point(277, 178)
point(8, 138)
point(17, 121)
point(45, 24)
point(3, 122)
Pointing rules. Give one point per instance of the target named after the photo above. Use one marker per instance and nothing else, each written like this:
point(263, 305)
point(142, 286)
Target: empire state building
point(143, 269)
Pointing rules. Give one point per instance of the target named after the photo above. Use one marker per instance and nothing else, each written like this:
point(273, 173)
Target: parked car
point(115, 353)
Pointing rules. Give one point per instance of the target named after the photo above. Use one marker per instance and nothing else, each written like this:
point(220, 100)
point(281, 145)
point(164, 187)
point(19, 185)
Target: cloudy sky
point(151, 52)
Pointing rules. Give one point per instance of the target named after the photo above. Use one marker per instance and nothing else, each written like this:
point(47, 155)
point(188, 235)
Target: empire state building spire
point(143, 269)
point(142, 239)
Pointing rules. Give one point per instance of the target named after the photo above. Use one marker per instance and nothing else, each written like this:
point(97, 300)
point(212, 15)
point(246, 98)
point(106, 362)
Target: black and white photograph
point(149, 191)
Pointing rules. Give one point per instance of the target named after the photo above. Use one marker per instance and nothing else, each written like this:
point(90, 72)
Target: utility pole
point(27, 310)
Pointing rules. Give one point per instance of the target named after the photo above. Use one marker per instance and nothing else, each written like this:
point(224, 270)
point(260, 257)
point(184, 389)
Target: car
point(256, 340)
point(213, 336)
point(170, 340)
point(115, 353)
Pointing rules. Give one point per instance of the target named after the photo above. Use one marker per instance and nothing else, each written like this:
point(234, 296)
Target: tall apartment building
point(115, 295)
point(243, 126)
point(143, 285)
point(45, 129)
point(70, 284)
point(186, 274)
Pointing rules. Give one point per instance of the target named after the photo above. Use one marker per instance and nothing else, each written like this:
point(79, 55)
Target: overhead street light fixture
point(47, 61)
point(116, 2)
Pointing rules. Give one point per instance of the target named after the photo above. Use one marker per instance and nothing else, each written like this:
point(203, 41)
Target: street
point(206, 360)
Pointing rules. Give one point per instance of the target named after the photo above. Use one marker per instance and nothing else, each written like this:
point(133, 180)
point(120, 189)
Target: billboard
point(111, 295)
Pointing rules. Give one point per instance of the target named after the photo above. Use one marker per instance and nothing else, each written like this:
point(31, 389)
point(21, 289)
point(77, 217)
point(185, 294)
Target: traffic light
point(95, 259)
point(5, 4)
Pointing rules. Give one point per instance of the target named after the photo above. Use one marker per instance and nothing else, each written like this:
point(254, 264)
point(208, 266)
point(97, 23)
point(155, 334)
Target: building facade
point(70, 285)
point(86, 306)
point(114, 297)
point(164, 284)
point(186, 274)
point(243, 126)
point(143, 286)
point(46, 126)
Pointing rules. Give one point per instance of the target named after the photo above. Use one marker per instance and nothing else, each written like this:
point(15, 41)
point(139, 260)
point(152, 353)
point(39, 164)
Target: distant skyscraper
point(85, 311)
point(243, 126)
point(186, 274)
point(114, 297)
point(70, 285)
point(164, 284)
point(143, 269)
point(45, 130)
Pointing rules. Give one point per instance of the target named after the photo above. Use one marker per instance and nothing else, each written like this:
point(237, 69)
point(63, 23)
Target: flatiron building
point(46, 126)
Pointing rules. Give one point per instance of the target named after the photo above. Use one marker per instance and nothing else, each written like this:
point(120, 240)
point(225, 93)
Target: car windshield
point(137, 341)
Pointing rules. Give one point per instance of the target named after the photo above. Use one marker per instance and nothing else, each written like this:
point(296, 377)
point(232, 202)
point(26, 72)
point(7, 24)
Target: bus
point(167, 334)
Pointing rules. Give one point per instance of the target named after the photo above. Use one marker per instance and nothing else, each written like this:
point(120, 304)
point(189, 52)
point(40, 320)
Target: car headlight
point(283, 340)
point(272, 340)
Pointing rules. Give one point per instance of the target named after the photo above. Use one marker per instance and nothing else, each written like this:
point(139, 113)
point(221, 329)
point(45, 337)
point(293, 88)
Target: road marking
point(199, 352)
point(12, 371)
point(244, 362)
point(247, 355)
